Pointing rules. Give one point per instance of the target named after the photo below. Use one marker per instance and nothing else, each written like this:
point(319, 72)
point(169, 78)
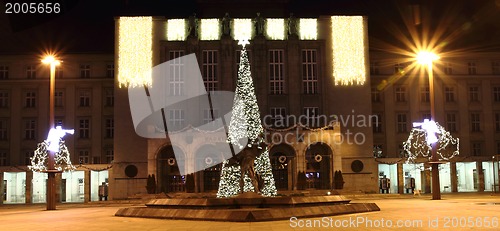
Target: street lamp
point(427, 58)
point(51, 171)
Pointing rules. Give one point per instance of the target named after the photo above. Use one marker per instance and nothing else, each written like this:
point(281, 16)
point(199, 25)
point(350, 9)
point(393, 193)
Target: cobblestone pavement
point(454, 212)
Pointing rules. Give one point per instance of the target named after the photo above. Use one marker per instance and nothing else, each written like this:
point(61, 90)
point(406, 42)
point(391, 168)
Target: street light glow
point(50, 59)
point(426, 57)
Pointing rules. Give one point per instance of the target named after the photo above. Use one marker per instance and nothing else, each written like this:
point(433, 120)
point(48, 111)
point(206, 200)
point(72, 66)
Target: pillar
point(2, 188)
point(401, 178)
point(86, 186)
point(58, 187)
point(29, 187)
point(480, 176)
point(426, 179)
point(453, 177)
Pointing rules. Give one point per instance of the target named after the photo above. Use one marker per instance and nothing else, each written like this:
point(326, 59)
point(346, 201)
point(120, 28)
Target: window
point(4, 72)
point(30, 99)
point(449, 93)
point(312, 115)
point(3, 129)
point(278, 115)
point(84, 156)
point(472, 67)
point(276, 72)
point(84, 98)
point(400, 92)
point(110, 70)
point(29, 129)
point(424, 95)
point(176, 74)
point(496, 94)
point(109, 129)
point(176, 118)
point(377, 123)
point(451, 122)
point(495, 67)
point(210, 70)
point(59, 72)
point(59, 121)
point(448, 69)
point(84, 129)
point(31, 72)
point(59, 98)
point(109, 97)
point(309, 72)
point(476, 148)
point(474, 94)
point(426, 116)
point(378, 151)
point(475, 120)
point(497, 121)
point(85, 71)
point(3, 158)
point(109, 155)
point(374, 68)
point(376, 96)
point(401, 151)
point(402, 123)
point(399, 68)
point(4, 99)
point(27, 157)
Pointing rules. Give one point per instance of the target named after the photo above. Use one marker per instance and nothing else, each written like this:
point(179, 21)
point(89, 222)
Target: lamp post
point(51, 171)
point(426, 58)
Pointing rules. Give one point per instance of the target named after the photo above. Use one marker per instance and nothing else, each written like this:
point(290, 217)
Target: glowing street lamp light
point(427, 58)
point(51, 182)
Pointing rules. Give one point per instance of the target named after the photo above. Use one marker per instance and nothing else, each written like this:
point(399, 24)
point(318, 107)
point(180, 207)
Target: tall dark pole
point(436, 193)
point(51, 182)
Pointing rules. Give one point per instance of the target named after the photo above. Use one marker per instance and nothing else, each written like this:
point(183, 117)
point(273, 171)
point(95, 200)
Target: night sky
point(88, 25)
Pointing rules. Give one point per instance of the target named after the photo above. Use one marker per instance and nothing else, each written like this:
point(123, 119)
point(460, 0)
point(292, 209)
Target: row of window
point(450, 96)
point(403, 124)
point(447, 68)
point(30, 98)
point(83, 131)
point(476, 149)
point(84, 156)
point(277, 79)
point(31, 71)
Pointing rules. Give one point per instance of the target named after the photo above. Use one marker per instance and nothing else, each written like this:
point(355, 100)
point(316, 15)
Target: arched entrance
point(318, 156)
point(169, 178)
point(207, 158)
point(283, 163)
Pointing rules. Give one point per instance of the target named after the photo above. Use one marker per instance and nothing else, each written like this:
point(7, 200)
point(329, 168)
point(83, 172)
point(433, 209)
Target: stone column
point(480, 176)
point(29, 187)
point(86, 186)
point(58, 187)
point(453, 177)
point(2, 188)
point(401, 179)
point(426, 178)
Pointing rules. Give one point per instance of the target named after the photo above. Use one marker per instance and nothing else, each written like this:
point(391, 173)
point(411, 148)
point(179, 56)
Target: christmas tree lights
point(245, 123)
point(40, 158)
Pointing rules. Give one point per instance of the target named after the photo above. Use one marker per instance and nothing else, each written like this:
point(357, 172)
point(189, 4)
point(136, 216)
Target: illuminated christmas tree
point(246, 124)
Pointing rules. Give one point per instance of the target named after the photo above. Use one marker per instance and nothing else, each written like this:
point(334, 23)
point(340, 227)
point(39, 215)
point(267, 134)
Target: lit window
point(176, 29)
point(242, 29)
point(308, 28)
point(210, 29)
point(276, 28)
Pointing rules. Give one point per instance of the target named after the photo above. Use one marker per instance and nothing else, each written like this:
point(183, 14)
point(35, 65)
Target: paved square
point(455, 212)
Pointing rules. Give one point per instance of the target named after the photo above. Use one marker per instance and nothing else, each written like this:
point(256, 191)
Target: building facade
point(84, 101)
point(466, 105)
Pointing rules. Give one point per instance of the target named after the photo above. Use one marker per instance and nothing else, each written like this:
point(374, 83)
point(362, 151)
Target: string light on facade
point(210, 29)
point(348, 48)
point(308, 28)
point(275, 28)
point(176, 29)
point(421, 138)
point(135, 54)
point(242, 28)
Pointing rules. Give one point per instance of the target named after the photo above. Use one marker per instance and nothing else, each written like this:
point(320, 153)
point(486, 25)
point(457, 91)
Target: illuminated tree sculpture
point(55, 143)
point(246, 124)
point(421, 138)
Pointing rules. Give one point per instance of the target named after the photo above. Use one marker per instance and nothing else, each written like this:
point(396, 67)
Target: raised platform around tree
point(247, 208)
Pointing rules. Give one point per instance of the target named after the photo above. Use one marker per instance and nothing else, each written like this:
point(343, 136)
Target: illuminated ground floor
point(461, 175)
point(82, 185)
